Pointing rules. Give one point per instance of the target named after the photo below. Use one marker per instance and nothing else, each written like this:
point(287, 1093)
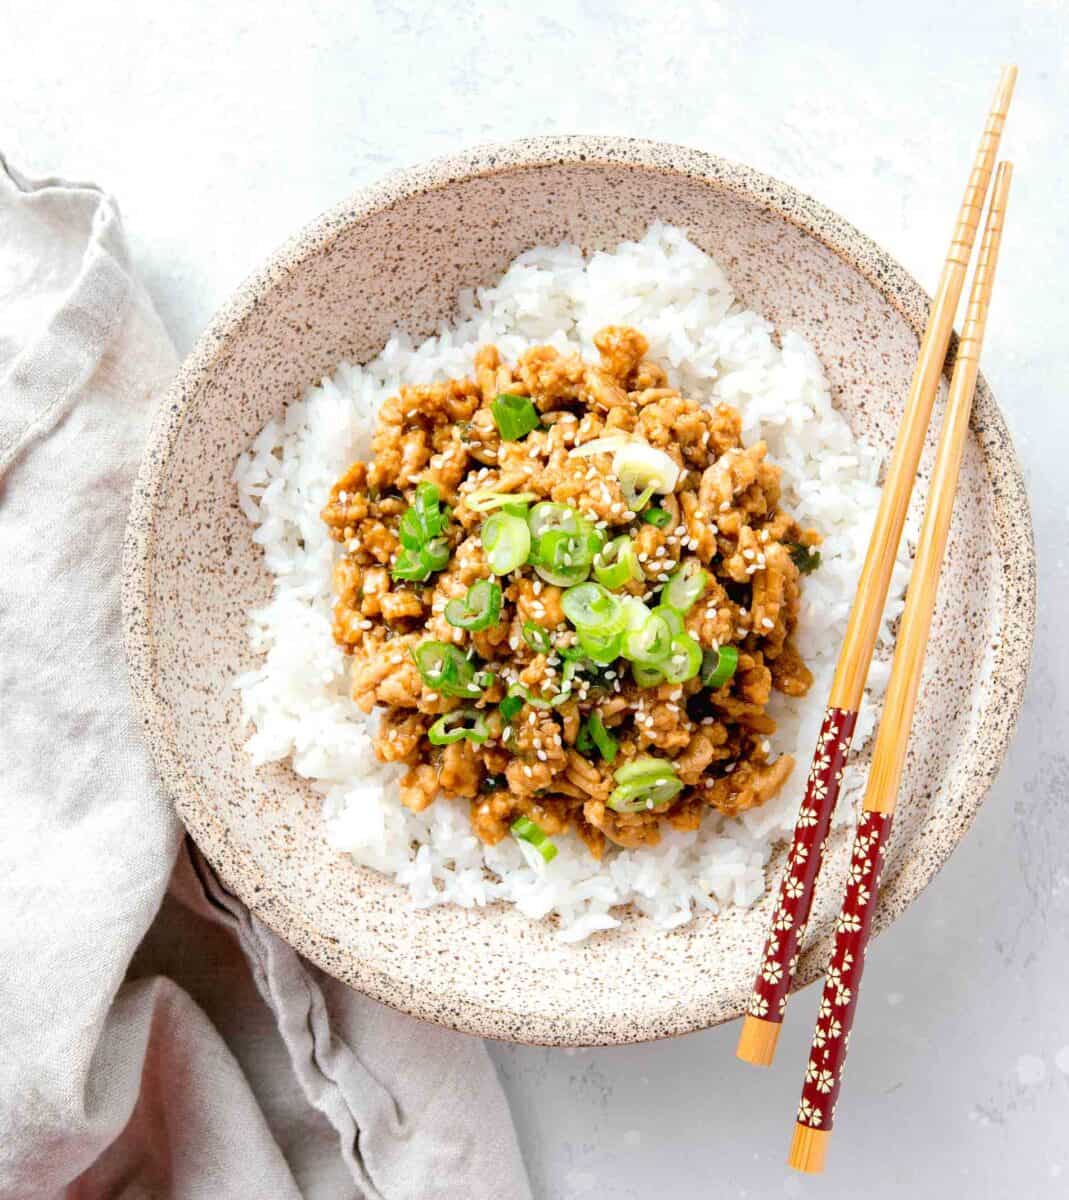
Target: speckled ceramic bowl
point(399, 252)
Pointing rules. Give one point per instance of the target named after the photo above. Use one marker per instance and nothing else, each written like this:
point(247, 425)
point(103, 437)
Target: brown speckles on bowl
point(399, 252)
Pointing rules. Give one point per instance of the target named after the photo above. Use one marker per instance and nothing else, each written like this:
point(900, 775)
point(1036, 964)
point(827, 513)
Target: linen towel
point(156, 1042)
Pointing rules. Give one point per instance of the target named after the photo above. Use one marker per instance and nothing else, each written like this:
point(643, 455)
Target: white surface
point(223, 127)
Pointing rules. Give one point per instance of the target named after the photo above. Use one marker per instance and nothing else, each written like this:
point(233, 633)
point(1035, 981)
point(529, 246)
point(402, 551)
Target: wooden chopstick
point(839, 1001)
point(768, 1000)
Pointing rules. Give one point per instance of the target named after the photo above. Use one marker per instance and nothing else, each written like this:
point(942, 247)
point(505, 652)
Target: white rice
point(297, 698)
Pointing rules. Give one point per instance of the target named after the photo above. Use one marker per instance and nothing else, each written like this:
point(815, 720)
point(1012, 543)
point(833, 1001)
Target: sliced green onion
point(633, 612)
point(510, 707)
point(605, 743)
point(584, 741)
point(547, 515)
point(684, 660)
point(537, 849)
point(486, 501)
point(431, 516)
point(562, 576)
point(537, 638)
point(515, 416)
point(645, 783)
point(410, 530)
point(419, 565)
point(647, 677)
point(672, 616)
point(589, 606)
point(507, 542)
point(805, 558)
point(685, 587)
point(568, 547)
point(480, 609)
point(601, 648)
point(447, 670)
point(719, 666)
point(656, 517)
point(651, 643)
point(466, 723)
point(423, 550)
point(642, 470)
point(616, 565)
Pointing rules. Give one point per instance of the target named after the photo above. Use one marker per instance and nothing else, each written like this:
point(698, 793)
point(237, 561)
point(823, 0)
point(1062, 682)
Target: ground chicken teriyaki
point(570, 590)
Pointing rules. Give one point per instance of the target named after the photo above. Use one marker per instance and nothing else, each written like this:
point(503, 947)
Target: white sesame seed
point(767, 624)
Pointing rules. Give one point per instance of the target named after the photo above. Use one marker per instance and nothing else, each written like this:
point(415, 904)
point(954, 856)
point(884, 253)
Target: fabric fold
point(156, 1043)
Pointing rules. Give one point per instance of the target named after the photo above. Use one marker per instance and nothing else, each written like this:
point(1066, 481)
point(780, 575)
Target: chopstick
point(772, 985)
point(839, 1000)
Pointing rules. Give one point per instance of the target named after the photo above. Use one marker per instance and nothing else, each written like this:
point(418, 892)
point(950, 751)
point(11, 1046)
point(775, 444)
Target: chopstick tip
point(809, 1149)
point(757, 1041)
point(1006, 83)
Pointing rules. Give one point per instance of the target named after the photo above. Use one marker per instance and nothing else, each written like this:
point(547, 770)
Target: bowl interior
point(399, 256)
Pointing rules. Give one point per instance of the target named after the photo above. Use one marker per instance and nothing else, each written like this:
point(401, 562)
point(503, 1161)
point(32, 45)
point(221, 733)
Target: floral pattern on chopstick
point(831, 1040)
point(774, 976)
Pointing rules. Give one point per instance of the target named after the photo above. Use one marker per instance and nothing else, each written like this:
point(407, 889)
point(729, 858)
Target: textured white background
point(223, 127)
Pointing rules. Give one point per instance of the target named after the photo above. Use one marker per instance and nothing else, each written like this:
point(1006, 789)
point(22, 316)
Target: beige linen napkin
point(154, 1043)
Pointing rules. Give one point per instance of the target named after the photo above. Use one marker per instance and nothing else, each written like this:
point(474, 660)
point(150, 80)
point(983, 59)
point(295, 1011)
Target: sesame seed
point(767, 624)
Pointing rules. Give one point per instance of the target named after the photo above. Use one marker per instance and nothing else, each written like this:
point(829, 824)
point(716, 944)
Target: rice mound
point(297, 699)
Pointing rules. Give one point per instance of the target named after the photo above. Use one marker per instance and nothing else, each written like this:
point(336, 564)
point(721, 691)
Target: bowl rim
point(1011, 518)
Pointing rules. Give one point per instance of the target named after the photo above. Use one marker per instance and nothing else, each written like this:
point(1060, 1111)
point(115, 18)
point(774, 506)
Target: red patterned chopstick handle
point(823, 1076)
point(791, 913)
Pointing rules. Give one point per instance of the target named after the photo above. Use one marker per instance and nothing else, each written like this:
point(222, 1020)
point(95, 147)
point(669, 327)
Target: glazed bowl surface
point(397, 254)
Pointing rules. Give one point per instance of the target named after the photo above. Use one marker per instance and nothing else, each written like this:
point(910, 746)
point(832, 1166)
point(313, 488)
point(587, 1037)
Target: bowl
point(399, 252)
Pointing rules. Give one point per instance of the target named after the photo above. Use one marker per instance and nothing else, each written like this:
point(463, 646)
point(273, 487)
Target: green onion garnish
point(418, 565)
point(651, 643)
point(480, 609)
point(515, 416)
point(641, 470)
point(805, 558)
point(684, 660)
point(647, 677)
point(656, 516)
point(686, 586)
point(537, 638)
point(467, 723)
point(601, 648)
point(591, 607)
point(616, 565)
point(594, 736)
point(645, 783)
point(447, 670)
point(671, 616)
point(537, 849)
point(507, 542)
point(423, 549)
point(718, 666)
point(546, 516)
point(563, 543)
point(510, 707)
